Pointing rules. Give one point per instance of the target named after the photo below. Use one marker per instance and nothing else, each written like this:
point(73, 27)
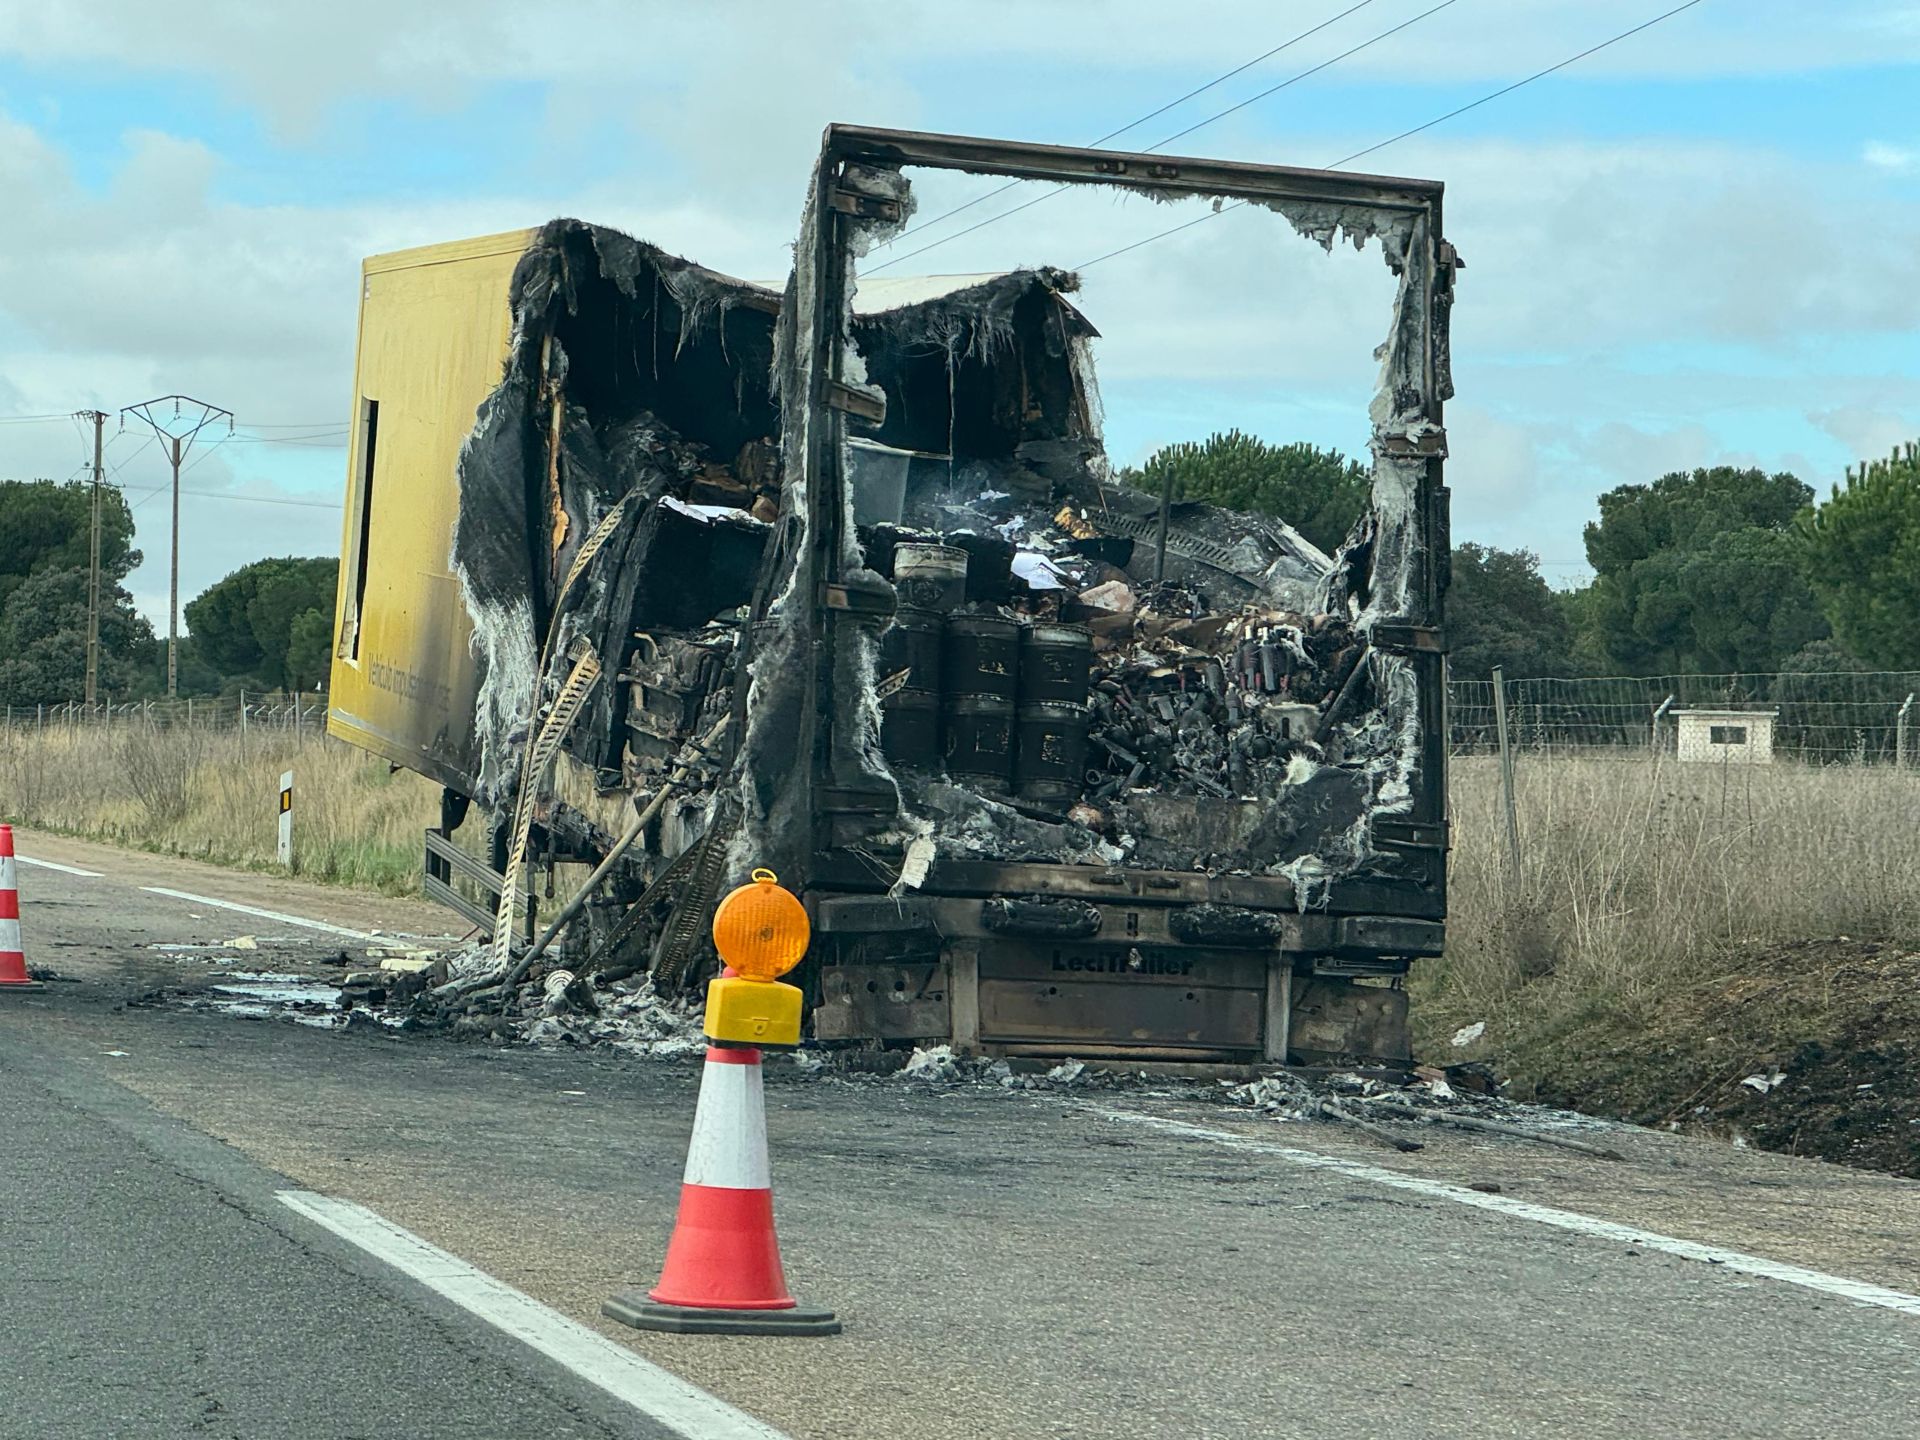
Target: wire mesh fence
point(1868, 717)
point(1825, 719)
point(299, 712)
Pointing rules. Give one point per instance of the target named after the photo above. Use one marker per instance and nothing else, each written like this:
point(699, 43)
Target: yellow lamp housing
point(761, 932)
point(753, 1012)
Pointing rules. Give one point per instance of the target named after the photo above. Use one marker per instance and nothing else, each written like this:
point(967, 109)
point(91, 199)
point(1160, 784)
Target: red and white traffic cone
point(723, 1273)
point(13, 960)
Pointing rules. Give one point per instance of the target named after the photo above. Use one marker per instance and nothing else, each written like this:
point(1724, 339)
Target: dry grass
point(1639, 876)
point(214, 796)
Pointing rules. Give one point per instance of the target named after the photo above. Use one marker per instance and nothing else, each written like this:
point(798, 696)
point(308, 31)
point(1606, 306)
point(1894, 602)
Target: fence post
point(1653, 729)
point(1506, 772)
point(1900, 733)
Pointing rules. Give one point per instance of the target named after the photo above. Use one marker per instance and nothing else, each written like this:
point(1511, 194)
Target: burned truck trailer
point(839, 582)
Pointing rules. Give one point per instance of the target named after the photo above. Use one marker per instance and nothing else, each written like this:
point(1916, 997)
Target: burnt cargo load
point(839, 582)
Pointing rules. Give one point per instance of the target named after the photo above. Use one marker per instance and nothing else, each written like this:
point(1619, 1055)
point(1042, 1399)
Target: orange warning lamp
point(761, 932)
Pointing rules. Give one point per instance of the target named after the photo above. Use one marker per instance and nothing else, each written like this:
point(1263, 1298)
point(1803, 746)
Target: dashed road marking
point(259, 914)
point(1857, 1291)
point(681, 1406)
point(56, 865)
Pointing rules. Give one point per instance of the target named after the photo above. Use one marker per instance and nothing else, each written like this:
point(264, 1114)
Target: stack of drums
point(1004, 703)
point(979, 665)
point(910, 716)
point(930, 580)
point(1050, 754)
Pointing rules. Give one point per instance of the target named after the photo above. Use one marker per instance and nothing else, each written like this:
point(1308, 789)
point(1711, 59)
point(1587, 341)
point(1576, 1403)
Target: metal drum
point(1050, 754)
point(981, 656)
point(910, 728)
point(930, 577)
point(1054, 662)
point(989, 566)
point(979, 738)
point(912, 644)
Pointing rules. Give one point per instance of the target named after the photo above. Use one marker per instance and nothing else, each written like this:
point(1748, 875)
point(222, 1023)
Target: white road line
point(264, 914)
point(1857, 1291)
point(56, 865)
point(684, 1408)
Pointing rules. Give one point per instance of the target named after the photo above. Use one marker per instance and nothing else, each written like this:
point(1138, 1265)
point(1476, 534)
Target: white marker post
point(286, 818)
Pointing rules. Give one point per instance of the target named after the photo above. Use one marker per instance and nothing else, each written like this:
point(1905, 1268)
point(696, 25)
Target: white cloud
point(1899, 159)
point(1869, 431)
point(293, 60)
point(1582, 257)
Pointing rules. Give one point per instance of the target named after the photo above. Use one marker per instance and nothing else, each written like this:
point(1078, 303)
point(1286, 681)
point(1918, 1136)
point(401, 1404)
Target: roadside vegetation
point(1676, 929)
point(213, 795)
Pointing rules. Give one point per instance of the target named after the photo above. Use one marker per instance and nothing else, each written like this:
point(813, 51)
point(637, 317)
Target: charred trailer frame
point(1289, 961)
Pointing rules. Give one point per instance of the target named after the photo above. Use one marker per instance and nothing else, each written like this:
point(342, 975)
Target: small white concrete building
point(1735, 737)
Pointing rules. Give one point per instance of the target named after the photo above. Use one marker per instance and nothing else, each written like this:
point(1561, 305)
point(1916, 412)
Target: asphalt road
point(152, 1285)
point(1008, 1263)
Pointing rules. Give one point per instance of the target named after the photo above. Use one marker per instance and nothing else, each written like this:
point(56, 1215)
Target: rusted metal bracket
point(1426, 444)
point(862, 205)
point(858, 599)
point(1400, 834)
point(1399, 636)
point(859, 402)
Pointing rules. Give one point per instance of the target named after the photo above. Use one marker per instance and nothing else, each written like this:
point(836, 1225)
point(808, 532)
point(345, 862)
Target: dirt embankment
point(1810, 1048)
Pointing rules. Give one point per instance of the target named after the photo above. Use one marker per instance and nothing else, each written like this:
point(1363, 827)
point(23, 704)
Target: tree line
point(267, 626)
point(1717, 570)
point(1711, 571)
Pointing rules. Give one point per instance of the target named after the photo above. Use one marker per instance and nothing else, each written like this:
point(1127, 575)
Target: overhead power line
point(1220, 79)
point(206, 453)
point(1509, 89)
point(330, 439)
point(1437, 120)
point(130, 455)
point(147, 495)
point(1178, 134)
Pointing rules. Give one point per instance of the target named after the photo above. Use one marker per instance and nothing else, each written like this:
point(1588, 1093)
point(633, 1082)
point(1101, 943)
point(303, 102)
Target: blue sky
point(1699, 246)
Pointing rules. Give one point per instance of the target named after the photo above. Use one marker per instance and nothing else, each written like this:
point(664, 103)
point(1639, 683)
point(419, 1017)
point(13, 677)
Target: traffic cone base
point(722, 1273)
point(13, 961)
point(633, 1307)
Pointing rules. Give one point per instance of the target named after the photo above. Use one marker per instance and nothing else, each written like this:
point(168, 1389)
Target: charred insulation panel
point(622, 497)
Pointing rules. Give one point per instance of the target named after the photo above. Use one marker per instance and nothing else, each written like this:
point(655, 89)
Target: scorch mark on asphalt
point(682, 1407)
point(1857, 1291)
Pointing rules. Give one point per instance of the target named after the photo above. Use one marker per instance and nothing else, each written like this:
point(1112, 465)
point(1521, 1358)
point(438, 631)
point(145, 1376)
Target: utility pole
point(99, 420)
point(178, 439)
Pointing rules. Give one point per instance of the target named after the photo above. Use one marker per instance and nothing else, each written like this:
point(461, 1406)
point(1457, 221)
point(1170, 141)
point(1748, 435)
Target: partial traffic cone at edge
point(13, 960)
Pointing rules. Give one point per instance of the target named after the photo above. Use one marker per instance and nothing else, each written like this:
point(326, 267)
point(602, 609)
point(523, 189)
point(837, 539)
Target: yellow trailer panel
point(434, 329)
